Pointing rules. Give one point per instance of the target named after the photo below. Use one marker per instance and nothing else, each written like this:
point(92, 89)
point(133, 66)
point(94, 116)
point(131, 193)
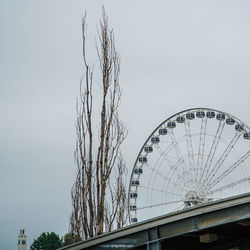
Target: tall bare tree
point(99, 194)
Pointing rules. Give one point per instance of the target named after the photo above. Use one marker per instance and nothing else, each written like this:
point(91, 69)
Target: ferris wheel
point(193, 157)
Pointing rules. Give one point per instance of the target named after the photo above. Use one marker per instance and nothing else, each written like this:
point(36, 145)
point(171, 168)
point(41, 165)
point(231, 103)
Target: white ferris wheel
point(193, 157)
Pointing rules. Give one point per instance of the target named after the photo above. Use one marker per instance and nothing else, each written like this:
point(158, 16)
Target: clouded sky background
point(175, 55)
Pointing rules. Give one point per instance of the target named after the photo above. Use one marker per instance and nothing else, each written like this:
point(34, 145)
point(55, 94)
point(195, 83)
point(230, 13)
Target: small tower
point(22, 240)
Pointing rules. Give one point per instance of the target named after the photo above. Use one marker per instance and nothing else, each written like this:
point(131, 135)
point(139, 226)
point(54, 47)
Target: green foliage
point(47, 241)
point(71, 238)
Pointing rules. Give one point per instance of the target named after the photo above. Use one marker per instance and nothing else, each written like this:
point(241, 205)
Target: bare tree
point(98, 194)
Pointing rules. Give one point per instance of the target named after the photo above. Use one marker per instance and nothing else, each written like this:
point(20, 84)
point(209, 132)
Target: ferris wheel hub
point(193, 199)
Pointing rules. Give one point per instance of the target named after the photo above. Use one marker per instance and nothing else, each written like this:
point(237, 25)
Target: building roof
point(209, 219)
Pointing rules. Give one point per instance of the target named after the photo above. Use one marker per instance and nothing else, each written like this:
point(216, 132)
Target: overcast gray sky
point(175, 55)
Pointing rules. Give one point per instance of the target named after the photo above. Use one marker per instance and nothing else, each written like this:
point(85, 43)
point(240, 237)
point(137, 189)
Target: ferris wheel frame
point(245, 129)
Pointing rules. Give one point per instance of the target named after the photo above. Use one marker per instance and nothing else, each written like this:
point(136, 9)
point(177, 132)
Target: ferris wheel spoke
point(171, 173)
point(164, 159)
point(160, 204)
point(228, 186)
point(176, 147)
point(164, 155)
point(189, 146)
point(213, 149)
point(173, 166)
point(224, 155)
point(179, 207)
point(166, 178)
point(202, 140)
point(230, 169)
point(159, 190)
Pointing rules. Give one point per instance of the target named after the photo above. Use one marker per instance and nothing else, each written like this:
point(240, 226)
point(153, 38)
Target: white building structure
point(22, 240)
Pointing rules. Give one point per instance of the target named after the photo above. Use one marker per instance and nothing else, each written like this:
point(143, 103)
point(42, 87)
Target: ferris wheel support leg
point(154, 245)
point(153, 239)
